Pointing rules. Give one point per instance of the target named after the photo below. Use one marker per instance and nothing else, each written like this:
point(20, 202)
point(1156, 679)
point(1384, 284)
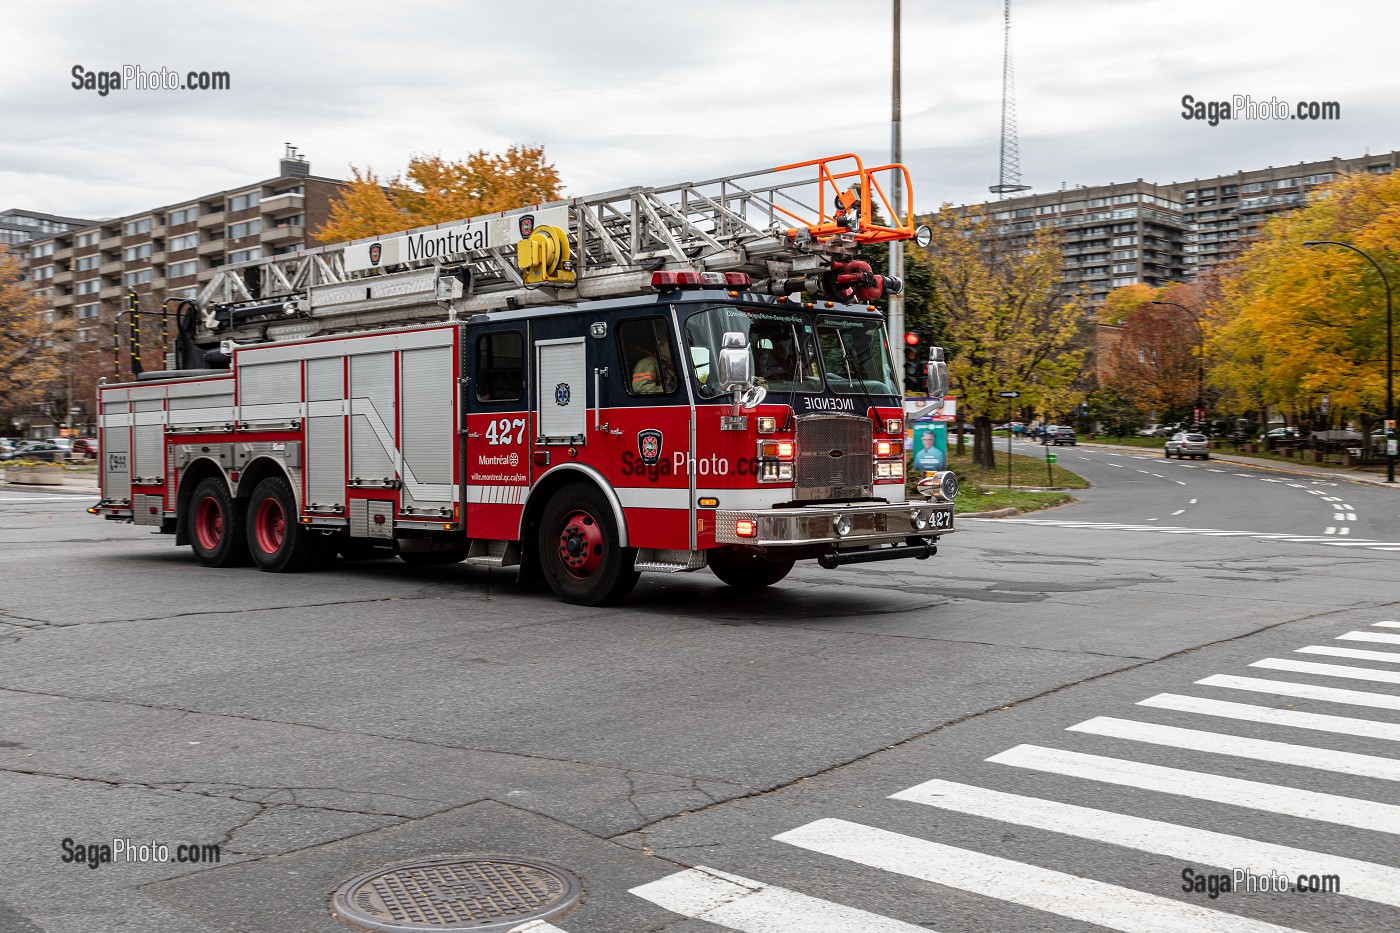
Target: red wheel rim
point(581, 545)
point(208, 523)
point(270, 526)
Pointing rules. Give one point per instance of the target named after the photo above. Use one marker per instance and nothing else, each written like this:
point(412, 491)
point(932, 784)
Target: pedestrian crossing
point(735, 902)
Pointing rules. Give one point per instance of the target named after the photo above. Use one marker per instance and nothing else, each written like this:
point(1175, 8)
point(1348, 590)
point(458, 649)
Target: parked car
point(84, 447)
point(1058, 434)
point(1184, 444)
point(39, 450)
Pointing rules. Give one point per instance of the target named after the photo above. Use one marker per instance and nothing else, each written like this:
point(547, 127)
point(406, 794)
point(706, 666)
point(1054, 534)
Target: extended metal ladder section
point(782, 226)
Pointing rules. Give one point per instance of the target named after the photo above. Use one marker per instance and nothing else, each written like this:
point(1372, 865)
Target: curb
point(995, 513)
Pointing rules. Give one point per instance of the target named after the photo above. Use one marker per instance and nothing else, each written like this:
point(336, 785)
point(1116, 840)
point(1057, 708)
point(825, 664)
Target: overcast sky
point(624, 92)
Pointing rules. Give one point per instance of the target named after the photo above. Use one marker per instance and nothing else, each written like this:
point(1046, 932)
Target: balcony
point(283, 234)
point(211, 248)
point(112, 291)
point(207, 221)
point(280, 205)
point(110, 267)
point(110, 241)
point(63, 254)
point(59, 302)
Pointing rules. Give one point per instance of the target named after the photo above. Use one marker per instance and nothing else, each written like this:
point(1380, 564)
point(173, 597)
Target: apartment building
point(1126, 233)
point(173, 250)
point(19, 226)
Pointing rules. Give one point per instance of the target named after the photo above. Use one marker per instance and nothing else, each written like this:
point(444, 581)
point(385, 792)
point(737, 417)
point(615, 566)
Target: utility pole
point(896, 313)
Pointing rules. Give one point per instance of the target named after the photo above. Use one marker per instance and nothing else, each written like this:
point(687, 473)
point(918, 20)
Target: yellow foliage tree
point(31, 348)
point(1299, 322)
point(434, 190)
point(1011, 326)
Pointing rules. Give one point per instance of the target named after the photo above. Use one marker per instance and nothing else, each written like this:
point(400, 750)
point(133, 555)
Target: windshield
point(783, 346)
point(855, 355)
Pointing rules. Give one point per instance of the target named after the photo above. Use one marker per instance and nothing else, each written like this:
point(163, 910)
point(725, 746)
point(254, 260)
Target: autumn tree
point(1154, 360)
point(1299, 322)
point(434, 190)
point(1011, 326)
point(31, 348)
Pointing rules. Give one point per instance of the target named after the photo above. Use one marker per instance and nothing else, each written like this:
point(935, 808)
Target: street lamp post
point(1389, 352)
point(1200, 353)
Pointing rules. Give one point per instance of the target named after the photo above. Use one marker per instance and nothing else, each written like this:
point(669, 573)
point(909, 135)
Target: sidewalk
point(73, 483)
point(1314, 470)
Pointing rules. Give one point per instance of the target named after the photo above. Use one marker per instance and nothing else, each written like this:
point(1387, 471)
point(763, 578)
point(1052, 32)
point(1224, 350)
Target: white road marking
point(1056, 892)
point(1192, 502)
point(1340, 517)
point(1343, 531)
point(1379, 883)
point(1287, 688)
point(1342, 725)
point(1159, 475)
point(1238, 746)
point(1330, 499)
point(1265, 479)
point(1142, 471)
point(1251, 476)
point(1187, 466)
point(1346, 508)
point(1295, 485)
point(1331, 530)
point(1209, 532)
point(1382, 637)
point(1329, 670)
point(1178, 482)
point(1200, 785)
point(1179, 512)
point(1388, 623)
point(738, 903)
point(1359, 654)
point(1118, 466)
point(1214, 470)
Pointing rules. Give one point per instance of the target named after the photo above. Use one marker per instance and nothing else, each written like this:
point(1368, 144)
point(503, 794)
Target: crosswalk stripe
point(1238, 746)
point(1304, 691)
point(739, 903)
point(1383, 637)
point(1097, 902)
point(1388, 623)
point(1358, 653)
point(1329, 670)
point(1365, 880)
point(536, 926)
point(1254, 795)
point(1267, 715)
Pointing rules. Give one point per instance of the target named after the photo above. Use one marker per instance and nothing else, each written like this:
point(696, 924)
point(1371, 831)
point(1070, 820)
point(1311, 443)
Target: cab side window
point(649, 367)
point(500, 367)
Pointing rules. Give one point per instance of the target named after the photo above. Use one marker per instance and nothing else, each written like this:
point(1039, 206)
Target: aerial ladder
point(794, 228)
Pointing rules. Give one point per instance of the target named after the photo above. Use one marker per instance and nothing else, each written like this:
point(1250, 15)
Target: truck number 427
point(499, 432)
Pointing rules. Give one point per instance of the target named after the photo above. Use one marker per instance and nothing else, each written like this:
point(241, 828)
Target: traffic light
point(915, 375)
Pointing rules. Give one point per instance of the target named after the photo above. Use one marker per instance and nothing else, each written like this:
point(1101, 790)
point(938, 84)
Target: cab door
point(498, 438)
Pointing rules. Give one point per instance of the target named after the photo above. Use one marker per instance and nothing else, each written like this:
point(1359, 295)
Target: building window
point(140, 277)
point(244, 255)
point(87, 239)
point(184, 215)
point(500, 367)
point(241, 202)
point(177, 243)
point(135, 227)
point(247, 228)
point(1322, 179)
point(178, 270)
point(87, 263)
point(43, 272)
point(86, 335)
point(1379, 169)
point(43, 249)
point(89, 287)
point(134, 253)
point(87, 311)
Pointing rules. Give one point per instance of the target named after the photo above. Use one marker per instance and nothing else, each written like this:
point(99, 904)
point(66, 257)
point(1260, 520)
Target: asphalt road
point(1039, 729)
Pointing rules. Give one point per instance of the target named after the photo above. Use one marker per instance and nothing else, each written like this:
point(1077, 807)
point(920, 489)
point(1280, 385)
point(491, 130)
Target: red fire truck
point(647, 380)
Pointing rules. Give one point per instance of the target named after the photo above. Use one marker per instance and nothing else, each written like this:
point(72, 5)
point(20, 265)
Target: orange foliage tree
point(434, 190)
point(32, 347)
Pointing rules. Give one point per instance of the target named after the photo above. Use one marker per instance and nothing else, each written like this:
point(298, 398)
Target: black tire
point(746, 570)
point(1205, 456)
point(278, 542)
point(1167, 454)
point(433, 558)
point(579, 551)
point(216, 525)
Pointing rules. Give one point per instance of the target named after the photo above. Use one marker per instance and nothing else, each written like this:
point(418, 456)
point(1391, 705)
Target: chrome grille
point(834, 457)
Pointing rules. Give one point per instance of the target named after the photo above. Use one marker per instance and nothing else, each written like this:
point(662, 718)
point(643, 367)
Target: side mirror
point(937, 376)
point(735, 362)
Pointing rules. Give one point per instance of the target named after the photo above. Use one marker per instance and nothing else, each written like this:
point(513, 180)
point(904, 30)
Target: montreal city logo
point(527, 225)
point(375, 251)
point(649, 446)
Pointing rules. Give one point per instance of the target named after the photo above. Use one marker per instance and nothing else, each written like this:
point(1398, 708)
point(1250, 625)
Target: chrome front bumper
point(818, 524)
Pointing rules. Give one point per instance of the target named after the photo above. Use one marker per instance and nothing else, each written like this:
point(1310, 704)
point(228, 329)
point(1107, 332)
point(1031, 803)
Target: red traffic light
point(912, 339)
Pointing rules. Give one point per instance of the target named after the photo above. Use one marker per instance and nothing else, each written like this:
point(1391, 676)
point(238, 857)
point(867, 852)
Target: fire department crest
point(649, 446)
point(375, 251)
point(527, 225)
point(562, 394)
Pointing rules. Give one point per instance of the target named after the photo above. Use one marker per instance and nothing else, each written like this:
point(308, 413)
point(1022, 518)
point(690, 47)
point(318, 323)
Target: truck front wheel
point(579, 550)
point(747, 570)
point(278, 542)
point(216, 525)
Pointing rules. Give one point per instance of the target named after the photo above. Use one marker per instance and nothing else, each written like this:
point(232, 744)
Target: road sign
point(1050, 458)
point(1009, 394)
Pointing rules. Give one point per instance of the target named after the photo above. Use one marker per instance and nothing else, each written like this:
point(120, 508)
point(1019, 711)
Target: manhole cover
point(469, 894)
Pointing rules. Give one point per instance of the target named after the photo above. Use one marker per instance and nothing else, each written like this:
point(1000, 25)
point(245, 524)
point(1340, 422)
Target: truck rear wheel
point(579, 550)
point(747, 570)
point(277, 541)
point(215, 519)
